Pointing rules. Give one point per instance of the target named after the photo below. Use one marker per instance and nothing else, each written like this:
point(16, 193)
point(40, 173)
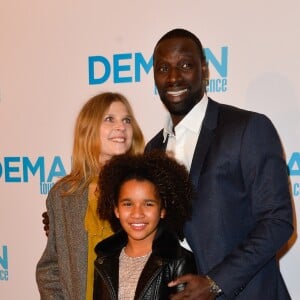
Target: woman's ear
point(163, 213)
point(116, 210)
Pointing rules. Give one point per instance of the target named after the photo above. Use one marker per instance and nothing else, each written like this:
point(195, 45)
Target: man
point(242, 212)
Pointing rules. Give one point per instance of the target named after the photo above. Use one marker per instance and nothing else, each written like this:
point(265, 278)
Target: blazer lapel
point(205, 138)
point(152, 267)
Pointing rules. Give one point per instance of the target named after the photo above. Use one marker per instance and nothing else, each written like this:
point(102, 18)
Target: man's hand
point(197, 288)
point(46, 222)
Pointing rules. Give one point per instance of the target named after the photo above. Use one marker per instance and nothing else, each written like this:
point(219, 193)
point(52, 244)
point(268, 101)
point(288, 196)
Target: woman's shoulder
point(61, 190)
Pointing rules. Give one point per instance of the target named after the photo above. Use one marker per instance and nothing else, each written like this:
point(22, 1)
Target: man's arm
point(196, 288)
point(265, 177)
point(46, 222)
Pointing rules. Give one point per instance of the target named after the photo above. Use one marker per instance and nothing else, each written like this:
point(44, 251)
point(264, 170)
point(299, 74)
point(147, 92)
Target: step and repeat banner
point(55, 55)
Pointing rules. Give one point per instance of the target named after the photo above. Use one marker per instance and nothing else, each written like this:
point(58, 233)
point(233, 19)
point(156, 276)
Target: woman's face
point(115, 131)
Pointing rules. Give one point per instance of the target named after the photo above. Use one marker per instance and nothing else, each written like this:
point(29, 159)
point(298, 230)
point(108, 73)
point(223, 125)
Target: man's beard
point(183, 107)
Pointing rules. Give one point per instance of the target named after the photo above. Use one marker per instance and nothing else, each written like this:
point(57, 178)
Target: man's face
point(178, 74)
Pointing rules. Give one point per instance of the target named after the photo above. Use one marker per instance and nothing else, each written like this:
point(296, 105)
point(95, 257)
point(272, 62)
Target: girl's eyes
point(147, 204)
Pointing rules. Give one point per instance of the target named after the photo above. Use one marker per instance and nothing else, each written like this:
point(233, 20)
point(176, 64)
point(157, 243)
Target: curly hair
point(170, 179)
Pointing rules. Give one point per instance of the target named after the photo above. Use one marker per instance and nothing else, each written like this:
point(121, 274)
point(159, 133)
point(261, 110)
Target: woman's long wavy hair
point(86, 146)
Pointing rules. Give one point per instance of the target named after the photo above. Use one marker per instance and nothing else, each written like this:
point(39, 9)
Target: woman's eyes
point(108, 119)
point(125, 120)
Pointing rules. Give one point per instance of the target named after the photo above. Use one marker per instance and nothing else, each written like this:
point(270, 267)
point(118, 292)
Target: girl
point(146, 199)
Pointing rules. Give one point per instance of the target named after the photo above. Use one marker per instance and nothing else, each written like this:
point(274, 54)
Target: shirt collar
point(192, 121)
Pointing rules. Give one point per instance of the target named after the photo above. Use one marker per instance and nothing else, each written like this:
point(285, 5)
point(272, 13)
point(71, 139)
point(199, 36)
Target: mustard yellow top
point(97, 231)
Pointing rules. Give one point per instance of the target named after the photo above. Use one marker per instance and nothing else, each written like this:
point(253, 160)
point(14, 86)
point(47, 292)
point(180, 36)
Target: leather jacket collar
point(165, 244)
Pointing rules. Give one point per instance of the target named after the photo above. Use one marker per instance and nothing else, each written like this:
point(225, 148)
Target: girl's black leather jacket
point(167, 261)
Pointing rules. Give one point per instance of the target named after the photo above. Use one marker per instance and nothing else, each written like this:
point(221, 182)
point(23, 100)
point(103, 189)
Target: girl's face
point(139, 210)
point(115, 131)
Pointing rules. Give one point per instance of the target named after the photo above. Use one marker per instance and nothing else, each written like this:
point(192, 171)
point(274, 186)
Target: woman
point(105, 127)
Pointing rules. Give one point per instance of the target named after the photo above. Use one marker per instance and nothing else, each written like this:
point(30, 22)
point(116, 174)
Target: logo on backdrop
point(131, 67)
point(294, 171)
point(3, 263)
point(17, 169)
point(23, 169)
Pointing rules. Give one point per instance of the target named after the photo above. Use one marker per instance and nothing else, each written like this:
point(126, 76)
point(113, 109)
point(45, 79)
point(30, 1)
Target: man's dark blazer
point(242, 212)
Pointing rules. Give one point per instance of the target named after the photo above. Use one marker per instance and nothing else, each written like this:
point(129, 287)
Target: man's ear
point(205, 73)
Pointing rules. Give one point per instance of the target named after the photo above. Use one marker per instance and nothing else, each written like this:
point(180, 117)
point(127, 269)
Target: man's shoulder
point(227, 108)
point(233, 117)
point(233, 113)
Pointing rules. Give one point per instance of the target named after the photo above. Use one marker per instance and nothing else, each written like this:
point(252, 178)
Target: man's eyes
point(186, 65)
point(182, 66)
point(163, 69)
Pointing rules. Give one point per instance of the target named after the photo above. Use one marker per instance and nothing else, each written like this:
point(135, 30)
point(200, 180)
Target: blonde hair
point(86, 146)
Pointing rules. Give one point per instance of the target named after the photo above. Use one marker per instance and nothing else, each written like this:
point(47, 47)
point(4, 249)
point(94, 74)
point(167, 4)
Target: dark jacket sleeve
point(266, 181)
